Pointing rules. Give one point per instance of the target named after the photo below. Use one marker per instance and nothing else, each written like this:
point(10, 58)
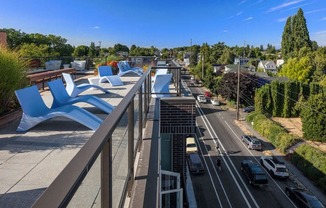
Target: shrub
point(312, 162)
point(13, 77)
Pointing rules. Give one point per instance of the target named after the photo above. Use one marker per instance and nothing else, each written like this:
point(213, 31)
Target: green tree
point(295, 35)
point(320, 61)
point(227, 57)
point(228, 87)
point(120, 48)
point(194, 55)
point(287, 43)
point(31, 50)
point(300, 31)
point(313, 117)
point(92, 50)
point(81, 51)
point(298, 69)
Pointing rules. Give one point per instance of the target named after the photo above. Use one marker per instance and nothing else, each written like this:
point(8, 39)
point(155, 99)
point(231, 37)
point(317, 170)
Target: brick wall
point(178, 118)
point(3, 39)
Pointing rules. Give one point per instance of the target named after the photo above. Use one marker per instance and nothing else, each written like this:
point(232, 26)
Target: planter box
point(10, 117)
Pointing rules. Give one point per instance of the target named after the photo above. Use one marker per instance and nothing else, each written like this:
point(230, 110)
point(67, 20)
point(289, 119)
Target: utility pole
point(238, 89)
point(202, 67)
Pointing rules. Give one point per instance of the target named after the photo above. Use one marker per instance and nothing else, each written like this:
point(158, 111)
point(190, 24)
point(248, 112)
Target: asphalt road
point(229, 188)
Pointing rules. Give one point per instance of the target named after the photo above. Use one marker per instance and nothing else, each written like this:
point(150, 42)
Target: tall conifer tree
point(287, 42)
point(295, 35)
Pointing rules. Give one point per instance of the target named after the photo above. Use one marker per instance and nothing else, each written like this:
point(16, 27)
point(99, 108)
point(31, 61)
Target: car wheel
point(241, 168)
point(288, 193)
point(261, 162)
point(250, 182)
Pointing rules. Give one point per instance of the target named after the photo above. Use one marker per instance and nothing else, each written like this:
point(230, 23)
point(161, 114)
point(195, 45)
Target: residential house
point(234, 68)
point(243, 61)
point(279, 62)
point(267, 66)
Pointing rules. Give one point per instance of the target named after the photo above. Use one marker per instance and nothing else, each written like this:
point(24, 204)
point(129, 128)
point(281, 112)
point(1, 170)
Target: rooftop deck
point(30, 161)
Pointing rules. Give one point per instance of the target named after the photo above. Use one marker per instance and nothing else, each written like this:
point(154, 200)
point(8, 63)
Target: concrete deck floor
point(30, 161)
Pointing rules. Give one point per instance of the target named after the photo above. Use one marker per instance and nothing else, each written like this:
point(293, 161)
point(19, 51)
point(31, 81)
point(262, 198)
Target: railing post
point(106, 175)
point(131, 124)
point(140, 109)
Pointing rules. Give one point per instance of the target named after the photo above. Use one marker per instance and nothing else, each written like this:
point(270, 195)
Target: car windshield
point(313, 201)
point(256, 142)
point(260, 177)
point(191, 145)
point(281, 169)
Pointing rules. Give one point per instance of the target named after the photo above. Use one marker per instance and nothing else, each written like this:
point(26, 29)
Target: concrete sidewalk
point(30, 161)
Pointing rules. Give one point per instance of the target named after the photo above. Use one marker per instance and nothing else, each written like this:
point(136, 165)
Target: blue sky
point(163, 24)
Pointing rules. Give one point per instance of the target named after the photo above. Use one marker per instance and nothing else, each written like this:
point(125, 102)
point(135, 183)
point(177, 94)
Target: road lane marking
point(209, 127)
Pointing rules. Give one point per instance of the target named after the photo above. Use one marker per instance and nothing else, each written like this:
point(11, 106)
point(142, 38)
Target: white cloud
point(239, 13)
point(323, 33)
point(247, 19)
point(225, 31)
point(314, 11)
point(319, 37)
point(282, 19)
point(96, 27)
point(323, 19)
point(284, 5)
point(242, 2)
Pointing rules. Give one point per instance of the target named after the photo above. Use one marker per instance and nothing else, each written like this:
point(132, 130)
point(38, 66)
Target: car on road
point(208, 94)
point(215, 102)
point(201, 99)
point(275, 167)
point(191, 146)
point(248, 109)
point(252, 142)
point(195, 164)
point(254, 173)
point(303, 198)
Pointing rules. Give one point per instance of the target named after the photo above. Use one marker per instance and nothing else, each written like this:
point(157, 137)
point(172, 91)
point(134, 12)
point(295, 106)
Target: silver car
point(252, 142)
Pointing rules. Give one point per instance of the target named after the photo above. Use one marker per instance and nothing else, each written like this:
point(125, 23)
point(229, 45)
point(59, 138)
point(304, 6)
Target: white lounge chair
point(35, 111)
point(61, 97)
point(125, 68)
point(161, 85)
point(74, 90)
point(158, 72)
point(105, 73)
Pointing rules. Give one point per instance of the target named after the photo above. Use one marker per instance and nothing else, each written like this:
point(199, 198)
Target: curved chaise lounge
point(105, 73)
point(35, 111)
point(61, 97)
point(125, 68)
point(74, 90)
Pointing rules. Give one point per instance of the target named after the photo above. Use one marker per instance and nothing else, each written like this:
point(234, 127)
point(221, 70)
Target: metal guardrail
point(98, 151)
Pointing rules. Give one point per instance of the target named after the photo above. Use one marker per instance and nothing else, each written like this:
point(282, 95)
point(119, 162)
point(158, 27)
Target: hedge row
point(276, 134)
point(312, 162)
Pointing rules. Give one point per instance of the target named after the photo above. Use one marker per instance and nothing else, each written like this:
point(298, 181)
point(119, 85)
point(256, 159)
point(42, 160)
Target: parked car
point(208, 94)
point(215, 102)
point(201, 99)
point(248, 109)
point(254, 173)
point(195, 164)
point(275, 167)
point(191, 146)
point(252, 142)
point(303, 198)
